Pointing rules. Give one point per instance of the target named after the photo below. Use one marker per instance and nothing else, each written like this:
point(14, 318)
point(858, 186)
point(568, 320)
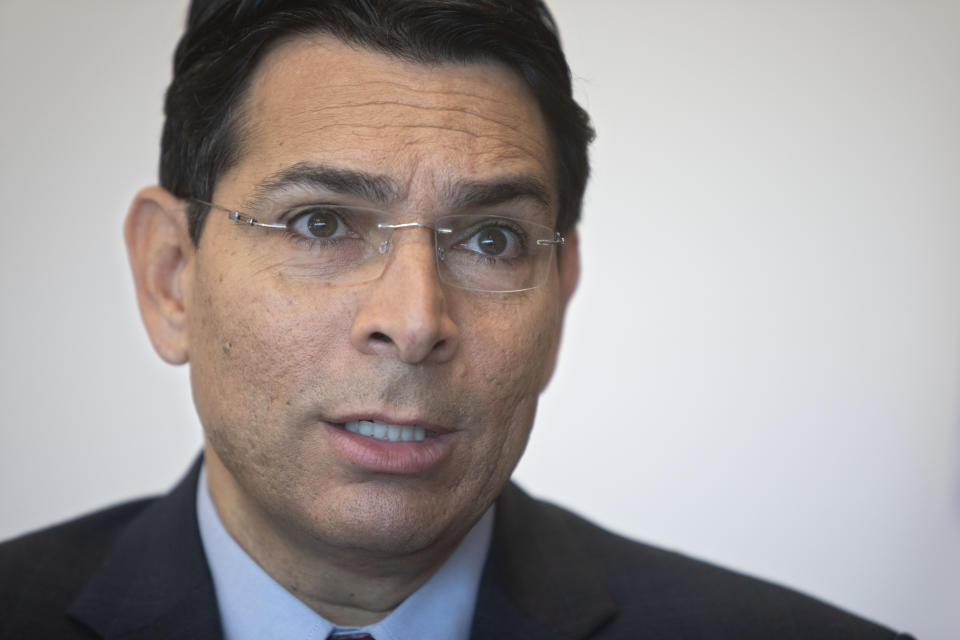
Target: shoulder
point(661, 593)
point(135, 568)
point(69, 547)
point(43, 571)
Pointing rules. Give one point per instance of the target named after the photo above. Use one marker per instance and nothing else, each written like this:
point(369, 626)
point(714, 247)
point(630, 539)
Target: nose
point(405, 312)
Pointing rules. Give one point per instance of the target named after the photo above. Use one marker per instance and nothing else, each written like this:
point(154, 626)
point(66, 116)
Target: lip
point(384, 456)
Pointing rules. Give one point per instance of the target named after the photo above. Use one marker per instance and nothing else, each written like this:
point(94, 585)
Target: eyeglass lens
point(348, 245)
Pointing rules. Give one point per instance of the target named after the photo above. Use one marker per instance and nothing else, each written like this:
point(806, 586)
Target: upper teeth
point(384, 431)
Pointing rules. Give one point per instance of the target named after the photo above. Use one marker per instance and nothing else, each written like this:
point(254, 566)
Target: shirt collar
point(253, 605)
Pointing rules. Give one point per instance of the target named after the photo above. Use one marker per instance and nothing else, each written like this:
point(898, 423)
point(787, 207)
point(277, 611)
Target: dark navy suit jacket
point(138, 571)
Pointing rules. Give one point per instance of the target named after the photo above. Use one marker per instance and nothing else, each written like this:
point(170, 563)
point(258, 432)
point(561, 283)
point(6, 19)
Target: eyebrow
point(485, 194)
point(382, 190)
point(367, 186)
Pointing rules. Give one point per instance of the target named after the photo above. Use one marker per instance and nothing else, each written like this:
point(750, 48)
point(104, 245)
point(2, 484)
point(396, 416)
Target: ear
point(161, 257)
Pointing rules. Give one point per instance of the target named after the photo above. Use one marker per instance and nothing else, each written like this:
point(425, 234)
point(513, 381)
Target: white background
point(762, 364)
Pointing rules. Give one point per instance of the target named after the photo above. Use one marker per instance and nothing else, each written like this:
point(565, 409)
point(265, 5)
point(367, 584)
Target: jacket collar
point(155, 583)
point(540, 582)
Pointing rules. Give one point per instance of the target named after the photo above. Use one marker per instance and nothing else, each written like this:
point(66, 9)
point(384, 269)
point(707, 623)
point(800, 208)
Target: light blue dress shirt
point(254, 606)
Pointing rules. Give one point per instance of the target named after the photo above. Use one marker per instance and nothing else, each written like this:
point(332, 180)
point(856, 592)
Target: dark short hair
point(225, 39)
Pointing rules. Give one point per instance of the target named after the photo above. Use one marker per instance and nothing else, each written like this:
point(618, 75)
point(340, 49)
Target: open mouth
point(389, 432)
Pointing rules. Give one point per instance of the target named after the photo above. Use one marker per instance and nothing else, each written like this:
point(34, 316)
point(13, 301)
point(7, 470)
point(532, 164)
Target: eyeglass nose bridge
point(385, 245)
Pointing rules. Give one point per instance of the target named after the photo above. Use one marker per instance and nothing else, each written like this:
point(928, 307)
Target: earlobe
point(161, 258)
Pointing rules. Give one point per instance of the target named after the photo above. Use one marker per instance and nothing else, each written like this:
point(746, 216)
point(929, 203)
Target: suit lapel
point(155, 583)
point(539, 581)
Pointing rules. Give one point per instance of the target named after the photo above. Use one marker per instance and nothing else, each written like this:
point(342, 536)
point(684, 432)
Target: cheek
point(258, 346)
point(515, 342)
point(509, 352)
point(508, 355)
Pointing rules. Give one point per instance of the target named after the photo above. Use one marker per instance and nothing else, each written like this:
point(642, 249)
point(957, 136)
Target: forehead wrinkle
point(506, 143)
point(517, 130)
point(404, 87)
point(465, 109)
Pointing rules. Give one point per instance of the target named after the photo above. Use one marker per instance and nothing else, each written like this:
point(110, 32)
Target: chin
point(391, 523)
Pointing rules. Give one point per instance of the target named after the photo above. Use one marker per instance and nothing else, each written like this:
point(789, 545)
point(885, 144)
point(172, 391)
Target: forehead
point(424, 127)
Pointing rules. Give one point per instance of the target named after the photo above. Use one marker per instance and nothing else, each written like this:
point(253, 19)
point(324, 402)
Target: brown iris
point(492, 241)
point(323, 223)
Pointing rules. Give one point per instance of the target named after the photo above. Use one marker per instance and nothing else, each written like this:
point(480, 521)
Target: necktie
point(353, 636)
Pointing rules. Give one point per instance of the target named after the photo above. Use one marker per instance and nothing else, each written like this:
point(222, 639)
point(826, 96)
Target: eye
point(319, 221)
point(495, 240)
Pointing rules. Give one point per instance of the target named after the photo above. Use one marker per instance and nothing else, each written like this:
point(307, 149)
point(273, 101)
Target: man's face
point(280, 361)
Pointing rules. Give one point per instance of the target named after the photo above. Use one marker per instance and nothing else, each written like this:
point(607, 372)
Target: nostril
point(380, 337)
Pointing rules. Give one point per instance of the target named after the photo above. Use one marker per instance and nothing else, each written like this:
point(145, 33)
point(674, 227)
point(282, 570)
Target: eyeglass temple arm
point(558, 240)
point(240, 218)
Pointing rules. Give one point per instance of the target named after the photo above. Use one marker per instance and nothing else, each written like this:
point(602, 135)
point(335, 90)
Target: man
point(363, 243)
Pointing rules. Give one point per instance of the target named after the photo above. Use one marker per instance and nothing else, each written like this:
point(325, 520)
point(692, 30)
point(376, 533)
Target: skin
point(275, 357)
